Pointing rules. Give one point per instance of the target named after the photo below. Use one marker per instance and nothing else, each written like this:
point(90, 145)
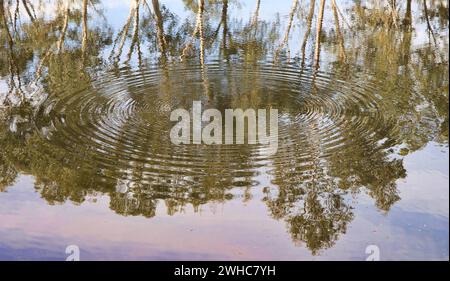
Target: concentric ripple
point(120, 124)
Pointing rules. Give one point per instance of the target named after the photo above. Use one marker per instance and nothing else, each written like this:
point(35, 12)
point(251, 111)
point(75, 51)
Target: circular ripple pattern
point(120, 123)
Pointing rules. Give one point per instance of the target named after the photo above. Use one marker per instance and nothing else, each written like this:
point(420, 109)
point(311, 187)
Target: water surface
point(86, 92)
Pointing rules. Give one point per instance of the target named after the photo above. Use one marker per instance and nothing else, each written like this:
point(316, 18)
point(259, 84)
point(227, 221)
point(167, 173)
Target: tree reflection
point(63, 53)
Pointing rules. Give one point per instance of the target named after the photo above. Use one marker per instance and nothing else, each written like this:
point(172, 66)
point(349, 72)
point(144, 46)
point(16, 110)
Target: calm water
point(86, 92)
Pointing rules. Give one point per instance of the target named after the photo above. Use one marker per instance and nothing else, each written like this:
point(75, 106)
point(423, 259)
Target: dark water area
point(86, 93)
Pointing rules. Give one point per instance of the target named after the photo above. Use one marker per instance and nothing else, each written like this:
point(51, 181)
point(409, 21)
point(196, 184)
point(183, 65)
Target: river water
point(86, 159)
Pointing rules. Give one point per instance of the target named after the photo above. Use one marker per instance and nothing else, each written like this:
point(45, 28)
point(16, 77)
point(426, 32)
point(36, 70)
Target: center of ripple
point(120, 125)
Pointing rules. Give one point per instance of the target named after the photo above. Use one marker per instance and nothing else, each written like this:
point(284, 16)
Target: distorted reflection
point(85, 103)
